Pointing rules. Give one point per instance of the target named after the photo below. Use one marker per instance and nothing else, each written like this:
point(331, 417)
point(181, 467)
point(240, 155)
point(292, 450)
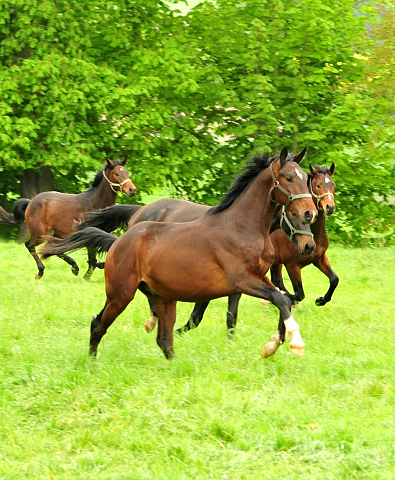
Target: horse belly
point(187, 284)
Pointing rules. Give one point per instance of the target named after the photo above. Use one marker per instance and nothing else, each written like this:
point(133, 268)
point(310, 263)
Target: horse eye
point(288, 179)
point(293, 214)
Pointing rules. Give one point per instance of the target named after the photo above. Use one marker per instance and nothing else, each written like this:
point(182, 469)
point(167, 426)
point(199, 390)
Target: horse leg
point(74, 267)
point(114, 306)
point(277, 279)
point(151, 322)
point(92, 263)
point(195, 318)
point(231, 316)
point(32, 250)
point(166, 310)
point(325, 267)
point(257, 288)
point(295, 275)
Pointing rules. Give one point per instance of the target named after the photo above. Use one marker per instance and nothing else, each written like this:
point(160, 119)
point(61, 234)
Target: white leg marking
point(297, 344)
point(271, 347)
point(150, 324)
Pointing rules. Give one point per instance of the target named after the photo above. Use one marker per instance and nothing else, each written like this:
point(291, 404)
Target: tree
point(82, 80)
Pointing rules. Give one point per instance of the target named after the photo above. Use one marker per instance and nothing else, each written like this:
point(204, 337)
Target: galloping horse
point(322, 188)
point(287, 253)
point(224, 252)
point(59, 211)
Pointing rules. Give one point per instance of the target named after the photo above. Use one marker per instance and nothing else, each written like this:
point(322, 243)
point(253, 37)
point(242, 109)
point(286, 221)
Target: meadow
point(218, 410)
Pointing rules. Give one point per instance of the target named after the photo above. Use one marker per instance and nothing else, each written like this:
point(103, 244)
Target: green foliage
point(189, 98)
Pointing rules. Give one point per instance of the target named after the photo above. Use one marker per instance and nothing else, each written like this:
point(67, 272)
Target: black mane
point(253, 167)
point(99, 175)
point(319, 169)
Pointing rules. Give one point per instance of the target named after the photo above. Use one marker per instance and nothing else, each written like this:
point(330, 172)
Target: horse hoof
point(264, 302)
point(38, 275)
point(320, 302)
point(269, 349)
point(75, 271)
point(149, 326)
point(297, 350)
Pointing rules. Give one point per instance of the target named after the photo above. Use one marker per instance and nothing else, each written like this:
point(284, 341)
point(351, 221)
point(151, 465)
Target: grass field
point(217, 411)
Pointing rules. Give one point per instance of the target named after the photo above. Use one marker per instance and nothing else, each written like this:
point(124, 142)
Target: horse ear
point(298, 157)
point(109, 162)
point(283, 156)
point(332, 169)
point(312, 170)
point(124, 161)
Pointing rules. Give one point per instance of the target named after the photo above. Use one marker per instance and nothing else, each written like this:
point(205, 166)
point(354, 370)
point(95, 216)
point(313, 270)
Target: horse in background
point(58, 212)
point(322, 188)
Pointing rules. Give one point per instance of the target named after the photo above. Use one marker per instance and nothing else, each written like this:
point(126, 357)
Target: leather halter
point(318, 197)
point(290, 196)
point(112, 185)
point(293, 230)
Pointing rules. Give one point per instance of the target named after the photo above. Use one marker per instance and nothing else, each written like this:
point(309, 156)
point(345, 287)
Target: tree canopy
point(189, 98)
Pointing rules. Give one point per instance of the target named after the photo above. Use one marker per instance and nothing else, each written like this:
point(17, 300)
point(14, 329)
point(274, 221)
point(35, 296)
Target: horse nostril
point(330, 209)
point(308, 249)
point(308, 216)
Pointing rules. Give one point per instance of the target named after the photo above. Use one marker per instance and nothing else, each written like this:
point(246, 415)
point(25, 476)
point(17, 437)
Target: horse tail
point(110, 218)
point(20, 208)
point(19, 212)
point(7, 217)
point(91, 237)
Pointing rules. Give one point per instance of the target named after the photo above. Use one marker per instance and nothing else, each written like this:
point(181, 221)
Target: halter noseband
point(318, 197)
point(290, 196)
point(112, 185)
point(292, 229)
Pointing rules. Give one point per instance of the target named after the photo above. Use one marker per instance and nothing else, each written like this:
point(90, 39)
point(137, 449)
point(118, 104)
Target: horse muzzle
point(129, 189)
point(307, 247)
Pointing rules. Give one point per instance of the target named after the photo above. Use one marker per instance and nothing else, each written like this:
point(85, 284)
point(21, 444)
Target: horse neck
point(253, 210)
point(102, 195)
point(318, 227)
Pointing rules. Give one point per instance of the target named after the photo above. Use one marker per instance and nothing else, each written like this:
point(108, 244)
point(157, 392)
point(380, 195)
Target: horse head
point(322, 188)
point(118, 177)
point(290, 187)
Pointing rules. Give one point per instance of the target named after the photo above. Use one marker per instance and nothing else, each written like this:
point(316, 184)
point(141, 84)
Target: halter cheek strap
point(318, 197)
point(112, 185)
point(290, 196)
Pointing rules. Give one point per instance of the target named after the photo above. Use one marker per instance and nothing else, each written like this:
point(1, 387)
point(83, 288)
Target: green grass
point(217, 411)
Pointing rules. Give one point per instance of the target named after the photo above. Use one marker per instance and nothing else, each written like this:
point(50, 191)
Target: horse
point(58, 212)
point(322, 188)
point(224, 252)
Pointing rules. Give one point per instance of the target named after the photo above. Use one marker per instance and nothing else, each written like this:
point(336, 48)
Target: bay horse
point(322, 188)
point(224, 252)
point(287, 252)
point(59, 212)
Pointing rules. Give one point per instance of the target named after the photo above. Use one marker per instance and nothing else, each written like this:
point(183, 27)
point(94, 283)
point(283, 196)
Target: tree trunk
point(33, 182)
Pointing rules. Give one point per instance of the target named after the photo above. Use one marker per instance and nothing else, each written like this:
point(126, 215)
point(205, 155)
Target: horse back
point(169, 210)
